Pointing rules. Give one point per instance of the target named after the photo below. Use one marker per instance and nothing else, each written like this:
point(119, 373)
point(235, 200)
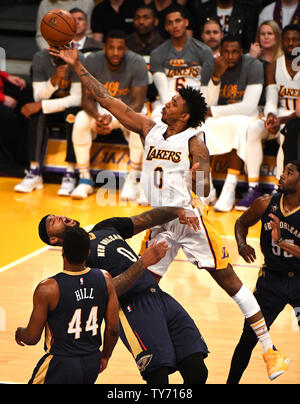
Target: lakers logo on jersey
point(288, 97)
point(163, 155)
point(225, 253)
point(288, 92)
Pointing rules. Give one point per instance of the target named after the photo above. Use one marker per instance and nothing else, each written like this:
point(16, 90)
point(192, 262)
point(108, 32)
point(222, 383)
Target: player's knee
point(227, 279)
point(255, 133)
point(193, 369)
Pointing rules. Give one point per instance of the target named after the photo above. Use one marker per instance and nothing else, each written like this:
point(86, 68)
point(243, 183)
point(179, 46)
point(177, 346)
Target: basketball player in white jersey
point(167, 146)
point(282, 91)
point(178, 63)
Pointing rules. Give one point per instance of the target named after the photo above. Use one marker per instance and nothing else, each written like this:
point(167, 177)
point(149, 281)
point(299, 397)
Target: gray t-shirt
point(234, 81)
point(132, 73)
point(183, 67)
point(43, 68)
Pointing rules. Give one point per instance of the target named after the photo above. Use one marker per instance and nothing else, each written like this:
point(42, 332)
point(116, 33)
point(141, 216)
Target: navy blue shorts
point(158, 331)
point(54, 369)
point(275, 290)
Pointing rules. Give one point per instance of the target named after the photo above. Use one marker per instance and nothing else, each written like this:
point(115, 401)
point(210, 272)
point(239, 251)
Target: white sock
point(253, 184)
point(34, 165)
point(232, 179)
point(84, 173)
point(262, 334)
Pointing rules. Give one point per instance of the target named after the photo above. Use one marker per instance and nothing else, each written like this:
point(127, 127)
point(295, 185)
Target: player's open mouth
point(68, 221)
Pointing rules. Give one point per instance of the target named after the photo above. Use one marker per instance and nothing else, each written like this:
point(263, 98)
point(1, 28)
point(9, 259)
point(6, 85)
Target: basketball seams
point(67, 22)
point(55, 29)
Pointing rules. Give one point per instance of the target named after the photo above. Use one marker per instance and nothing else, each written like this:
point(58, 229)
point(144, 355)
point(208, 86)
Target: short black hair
point(176, 9)
point(147, 7)
point(76, 245)
point(196, 105)
point(295, 163)
point(232, 38)
point(116, 33)
point(78, 10)
point(290, 27)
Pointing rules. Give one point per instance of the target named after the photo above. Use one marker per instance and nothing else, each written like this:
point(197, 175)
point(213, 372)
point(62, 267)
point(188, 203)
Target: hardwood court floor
point(24, 261)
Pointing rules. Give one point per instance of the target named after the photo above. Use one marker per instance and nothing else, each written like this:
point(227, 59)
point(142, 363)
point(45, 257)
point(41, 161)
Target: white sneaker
point(67, 185)
point(83, 189)
point(227, 198)
point(211, 198)
point(130, 190)
point(30, 182)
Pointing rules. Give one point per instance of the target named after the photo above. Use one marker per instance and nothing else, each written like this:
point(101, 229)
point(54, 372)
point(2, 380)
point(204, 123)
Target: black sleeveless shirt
point(276, 258)
point(75, 323)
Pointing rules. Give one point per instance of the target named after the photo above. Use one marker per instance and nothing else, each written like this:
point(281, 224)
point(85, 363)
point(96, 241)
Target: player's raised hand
point(247, 252)
point(67, 54)
point(189, 217)
point(154, 253)
point(275, 225)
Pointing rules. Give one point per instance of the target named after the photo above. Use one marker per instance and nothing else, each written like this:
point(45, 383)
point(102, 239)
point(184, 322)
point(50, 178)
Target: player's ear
point(185, 116)
point(53, 240)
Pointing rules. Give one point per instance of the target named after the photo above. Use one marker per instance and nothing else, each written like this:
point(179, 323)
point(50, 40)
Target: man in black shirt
point(158, 332)
point(145, 37)
point(113, 14)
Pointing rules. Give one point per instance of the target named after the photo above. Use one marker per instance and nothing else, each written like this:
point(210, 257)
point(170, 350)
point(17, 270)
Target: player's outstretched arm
point(248, 219)
point(162, 215)
point(132, 120)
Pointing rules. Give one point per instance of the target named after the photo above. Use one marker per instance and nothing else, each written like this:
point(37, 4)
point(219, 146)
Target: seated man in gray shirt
point(57, 97)
point(125, 76)
point(232, 93)
point(178, 62)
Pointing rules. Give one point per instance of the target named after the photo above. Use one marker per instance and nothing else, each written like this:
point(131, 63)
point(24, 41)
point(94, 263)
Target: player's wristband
point(279, 241)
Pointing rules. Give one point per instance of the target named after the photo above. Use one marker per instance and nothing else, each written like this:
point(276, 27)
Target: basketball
point(58, 27)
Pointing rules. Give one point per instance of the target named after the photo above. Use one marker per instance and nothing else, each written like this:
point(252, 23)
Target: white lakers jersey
point(288, 88)
point(166, 167)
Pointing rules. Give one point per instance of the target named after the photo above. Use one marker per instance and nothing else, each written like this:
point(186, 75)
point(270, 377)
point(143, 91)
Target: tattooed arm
point(158, 216)
point(132, 120)
point(151, 256)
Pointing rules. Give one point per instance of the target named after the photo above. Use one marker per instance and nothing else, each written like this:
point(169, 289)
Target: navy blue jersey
point(75, 323)
point(276, 258)
point(110, 251)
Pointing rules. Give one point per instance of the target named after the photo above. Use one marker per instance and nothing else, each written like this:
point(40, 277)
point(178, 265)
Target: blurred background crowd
point(242, 54)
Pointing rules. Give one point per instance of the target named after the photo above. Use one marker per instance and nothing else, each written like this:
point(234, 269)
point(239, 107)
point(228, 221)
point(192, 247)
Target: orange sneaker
point(276, 363)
